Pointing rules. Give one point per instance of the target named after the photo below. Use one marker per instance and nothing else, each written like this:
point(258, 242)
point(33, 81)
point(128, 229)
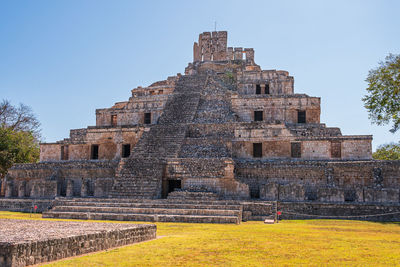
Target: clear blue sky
point(67, 58)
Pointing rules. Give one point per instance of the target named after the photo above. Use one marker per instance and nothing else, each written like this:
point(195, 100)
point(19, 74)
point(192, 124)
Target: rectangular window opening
point(147, 118)
point(267, 88)
point(113, 120)
point(64, 152)
point(94, 152)
point(301, 116)
point(126, 150)
point(257, 150)
point(258, 89)
point(258, 115)
point(296, 150)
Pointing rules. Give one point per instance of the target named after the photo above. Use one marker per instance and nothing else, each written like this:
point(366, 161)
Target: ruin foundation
point(25, 242)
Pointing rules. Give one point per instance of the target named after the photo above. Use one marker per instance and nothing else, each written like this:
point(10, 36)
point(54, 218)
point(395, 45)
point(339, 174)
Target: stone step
point(150, 201)
point(141, 210)
point(137, 195)
point(181, 194)
point(150, 205)
point(142, 217)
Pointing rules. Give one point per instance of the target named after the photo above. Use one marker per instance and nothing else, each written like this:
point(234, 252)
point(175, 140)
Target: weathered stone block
point(269, 191)
point(291, 192)
point(389, 195)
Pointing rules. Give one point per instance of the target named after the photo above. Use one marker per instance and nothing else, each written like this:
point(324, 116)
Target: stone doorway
point(168, 186)
point(173, 184)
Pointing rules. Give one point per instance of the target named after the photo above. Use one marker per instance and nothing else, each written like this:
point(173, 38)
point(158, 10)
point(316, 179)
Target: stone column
point(196, 52)
point(35, 191)
point(378, 177)
point(50, 189)
point(9, 188)
point(21, 189)
point(84, 188)
point(70, 188)
point(238, 53)
point(329, 175)
point(249, 55)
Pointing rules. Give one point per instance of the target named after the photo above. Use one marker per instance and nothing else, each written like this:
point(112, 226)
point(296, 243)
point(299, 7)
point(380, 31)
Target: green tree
point(16, 147)
point(19, 136)
point(387, 152)
point(383, 93)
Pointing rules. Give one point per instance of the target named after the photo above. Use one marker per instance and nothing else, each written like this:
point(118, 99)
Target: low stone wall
point(343, 211)
point(25, 205)
point(24, 242)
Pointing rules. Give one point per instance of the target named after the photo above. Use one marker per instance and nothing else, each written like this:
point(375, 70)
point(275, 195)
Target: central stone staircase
point(161, 210)
point(141, 174)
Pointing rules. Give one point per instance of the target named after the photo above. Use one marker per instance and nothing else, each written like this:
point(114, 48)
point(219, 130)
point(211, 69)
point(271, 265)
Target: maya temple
point(226, 141)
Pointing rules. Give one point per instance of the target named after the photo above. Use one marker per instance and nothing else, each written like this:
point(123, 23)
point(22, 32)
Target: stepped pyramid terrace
point(224, 141)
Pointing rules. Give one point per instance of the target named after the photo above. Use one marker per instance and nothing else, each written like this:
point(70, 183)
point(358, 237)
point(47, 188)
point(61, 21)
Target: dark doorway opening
point(147, 118)
point(126, 150)
point(61, 187)
point(258, 89)
point(267, 88)
point(94, 152)
point(350, 195)
point(301, 116)
point(173, 184)
point(296, 150)
point(257, 150)
point(258, 116)
point(255, 192)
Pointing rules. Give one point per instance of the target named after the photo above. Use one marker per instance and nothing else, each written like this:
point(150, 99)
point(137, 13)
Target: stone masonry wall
point(339, 181)
point(109, 141)
point(207, 174)
point(279, 82)
point(344, 211)
point(67, 178)
point(276, 109)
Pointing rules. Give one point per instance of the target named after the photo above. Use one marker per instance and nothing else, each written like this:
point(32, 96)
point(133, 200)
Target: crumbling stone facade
point(226, 127)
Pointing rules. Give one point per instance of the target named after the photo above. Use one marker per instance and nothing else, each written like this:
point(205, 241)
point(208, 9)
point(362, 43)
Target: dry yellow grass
point(311, 243)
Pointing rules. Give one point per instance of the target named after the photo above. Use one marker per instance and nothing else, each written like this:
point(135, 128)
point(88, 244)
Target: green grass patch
point(308, 242)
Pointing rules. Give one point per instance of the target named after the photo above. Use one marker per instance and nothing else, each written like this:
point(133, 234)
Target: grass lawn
point(311, 242)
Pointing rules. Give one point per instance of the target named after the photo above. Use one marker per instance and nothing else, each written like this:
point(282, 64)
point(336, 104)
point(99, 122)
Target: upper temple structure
point(225, 128)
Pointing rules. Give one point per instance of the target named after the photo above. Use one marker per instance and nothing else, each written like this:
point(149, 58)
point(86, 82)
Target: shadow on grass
point(395, 223)
point(339, 219)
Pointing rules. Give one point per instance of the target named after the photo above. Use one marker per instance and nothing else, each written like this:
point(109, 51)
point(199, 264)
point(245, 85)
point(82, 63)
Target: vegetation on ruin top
point(312, 242)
